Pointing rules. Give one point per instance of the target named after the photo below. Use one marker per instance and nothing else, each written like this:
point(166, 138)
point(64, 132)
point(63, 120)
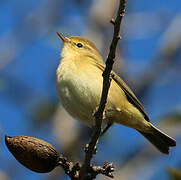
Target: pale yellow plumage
point(79, 86)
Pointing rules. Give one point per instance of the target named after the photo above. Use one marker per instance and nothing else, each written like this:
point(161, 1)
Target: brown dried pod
point(35, 154)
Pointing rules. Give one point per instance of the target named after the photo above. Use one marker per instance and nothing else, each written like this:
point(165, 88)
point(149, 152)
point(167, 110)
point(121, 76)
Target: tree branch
point(90, 150)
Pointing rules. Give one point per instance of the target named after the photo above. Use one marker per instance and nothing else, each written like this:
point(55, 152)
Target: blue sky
point(30, 48)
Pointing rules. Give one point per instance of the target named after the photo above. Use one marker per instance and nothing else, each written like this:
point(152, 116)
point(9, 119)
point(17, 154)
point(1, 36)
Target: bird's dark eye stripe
point(79, 45)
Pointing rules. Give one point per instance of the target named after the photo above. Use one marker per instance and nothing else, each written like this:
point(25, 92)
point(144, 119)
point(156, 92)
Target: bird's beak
point(63, 38)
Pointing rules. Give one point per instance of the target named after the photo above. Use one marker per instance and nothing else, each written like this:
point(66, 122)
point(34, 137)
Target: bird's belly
point(79, 97)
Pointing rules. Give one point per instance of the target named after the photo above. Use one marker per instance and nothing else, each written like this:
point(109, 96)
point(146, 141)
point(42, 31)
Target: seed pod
point(35, 154)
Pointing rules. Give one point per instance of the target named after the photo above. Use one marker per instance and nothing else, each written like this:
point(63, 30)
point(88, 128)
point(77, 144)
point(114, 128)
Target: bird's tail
point(159, 139)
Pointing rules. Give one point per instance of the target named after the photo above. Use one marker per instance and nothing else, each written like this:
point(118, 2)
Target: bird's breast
point(79, 89)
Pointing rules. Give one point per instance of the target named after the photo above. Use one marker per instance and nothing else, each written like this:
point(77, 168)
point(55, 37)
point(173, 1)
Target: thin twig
point(106, 84)
point(73, 170)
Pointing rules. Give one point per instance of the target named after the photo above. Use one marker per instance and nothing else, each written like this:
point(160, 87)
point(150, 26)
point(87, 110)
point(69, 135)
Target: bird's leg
point(109, 122)
point(105, 129)
point(108, 125)
point(102, 133)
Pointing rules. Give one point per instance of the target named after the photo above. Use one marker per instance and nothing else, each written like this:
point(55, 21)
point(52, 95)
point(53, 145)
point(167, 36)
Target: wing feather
point(128, 92)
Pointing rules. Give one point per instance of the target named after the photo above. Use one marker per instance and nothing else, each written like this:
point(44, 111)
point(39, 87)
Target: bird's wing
point(128, 92)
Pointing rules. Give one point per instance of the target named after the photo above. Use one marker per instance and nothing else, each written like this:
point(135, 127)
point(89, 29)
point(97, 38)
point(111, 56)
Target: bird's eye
point(79, 45)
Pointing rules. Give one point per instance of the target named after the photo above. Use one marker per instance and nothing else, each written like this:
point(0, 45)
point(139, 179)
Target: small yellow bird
point(79, 86)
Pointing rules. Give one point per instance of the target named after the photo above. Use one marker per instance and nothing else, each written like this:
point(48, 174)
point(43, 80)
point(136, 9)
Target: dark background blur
point(148, 59)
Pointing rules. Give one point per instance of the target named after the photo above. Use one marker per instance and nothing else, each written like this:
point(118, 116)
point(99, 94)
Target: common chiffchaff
point(79, 86)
